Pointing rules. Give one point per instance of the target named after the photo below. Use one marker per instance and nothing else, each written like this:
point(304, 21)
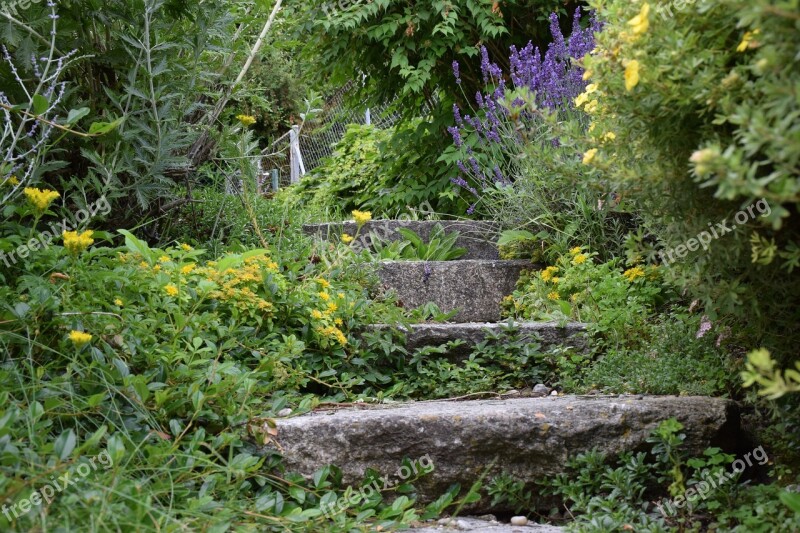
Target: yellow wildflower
point(575, 251)
point(324, 282)
point(185, 247)
point(338, 322)
point(632, 274)
point(547, 273)
point(347, 239)
point(591, 88)
point(332, 307)
point(76, 242)
point(13, 181)
point(316, 314)
point(579, 259)
point(610, 136)
point(187, 269)
point(589, 156)
point(362, 217)
point(554, 296)
point(556, 280)
point(591, 107)
point(581, 99)
point(340, 295)
point(747, 40)
point(632, 75)
point(641, 22)
point(325, 296)
point(588, 74)
point(40, 199)
point(144, 264)
point(164, 259)
point(79, 338)
point(592, 126)
point(118, 302)
point(171, 290)
point(246, 120)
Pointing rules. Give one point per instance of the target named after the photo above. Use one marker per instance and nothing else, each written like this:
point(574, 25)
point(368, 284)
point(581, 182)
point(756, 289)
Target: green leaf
point(64, 444)
point(101, 128)
point(511, 236)
point(76, 114)
point(791, 500)
point(40, 104)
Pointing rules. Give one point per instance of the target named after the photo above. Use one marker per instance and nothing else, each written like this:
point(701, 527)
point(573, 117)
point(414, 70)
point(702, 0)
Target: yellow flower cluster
point(186, 248)
point(40, 199)
point(549, 273)
point(553, 296)
point(76, 242)
point(13, 181)
point(748, 40)
point(632, 274)
point(641, 22)
point(579, 259)
point(575, 251)
point(589, 156)
point(333, 333)
point(361, 217)
point(246, 120)
point(171, 290)
point(233, 283)
point(187, 269)
point(347, 239)
point(631, 75)
point(79, 338)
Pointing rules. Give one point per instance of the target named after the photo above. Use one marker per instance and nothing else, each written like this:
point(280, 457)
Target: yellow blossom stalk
point(40, 199)
point(246, 120)
point(361, 217)
point(632, 75)
point(76, 243)
point(79, 338)
point(632, 274)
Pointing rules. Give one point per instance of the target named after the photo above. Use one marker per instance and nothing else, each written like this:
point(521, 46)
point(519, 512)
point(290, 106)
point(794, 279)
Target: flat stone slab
point(474, 287)
point(477, 237)
point(549, 334)
point(480, 525)
point(528, 437)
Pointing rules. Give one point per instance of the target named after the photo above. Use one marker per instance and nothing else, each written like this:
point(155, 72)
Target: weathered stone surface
point(472, 333)
point(478, 525)
point(475, 287)
point(528, 437)
point(477, 237)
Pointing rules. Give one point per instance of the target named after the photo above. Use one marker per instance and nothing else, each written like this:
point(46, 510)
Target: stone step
point(548, 333)
point(456, 441)
point(477, 237)
point(480, 525)
point(474, 287)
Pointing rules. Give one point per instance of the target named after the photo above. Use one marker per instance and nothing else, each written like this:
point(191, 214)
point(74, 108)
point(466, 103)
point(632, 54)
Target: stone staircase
point(529, 437)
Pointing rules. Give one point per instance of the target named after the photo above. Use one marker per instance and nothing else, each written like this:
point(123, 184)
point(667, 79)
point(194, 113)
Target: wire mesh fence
point(319, 135)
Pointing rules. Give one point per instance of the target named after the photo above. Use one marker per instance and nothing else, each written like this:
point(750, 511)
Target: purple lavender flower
point(456, 72)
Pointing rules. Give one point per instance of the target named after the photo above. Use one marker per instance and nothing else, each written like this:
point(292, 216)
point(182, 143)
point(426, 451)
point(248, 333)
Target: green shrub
point(703, 113)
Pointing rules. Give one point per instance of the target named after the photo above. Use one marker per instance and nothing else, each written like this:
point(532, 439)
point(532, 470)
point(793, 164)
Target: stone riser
point(475, 287)
point(547, 333)
point(528, 437)
point(477, 237)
